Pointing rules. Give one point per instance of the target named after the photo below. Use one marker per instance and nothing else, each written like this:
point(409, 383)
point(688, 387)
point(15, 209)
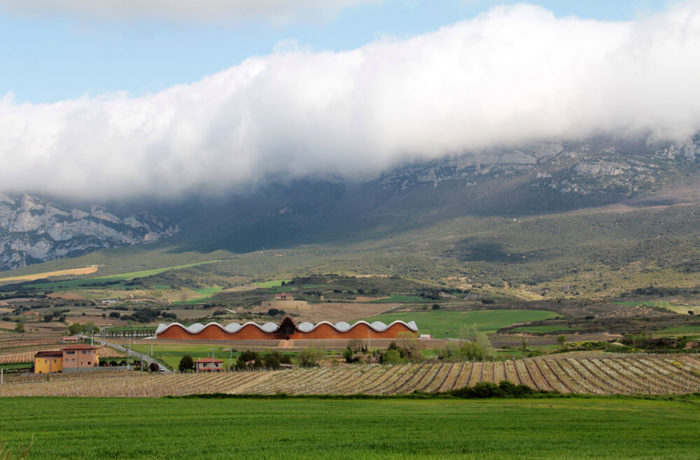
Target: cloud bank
point(512, 75)
point(218, 11)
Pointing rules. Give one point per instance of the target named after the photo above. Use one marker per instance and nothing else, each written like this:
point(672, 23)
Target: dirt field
point(73, 271)
point(334, 312)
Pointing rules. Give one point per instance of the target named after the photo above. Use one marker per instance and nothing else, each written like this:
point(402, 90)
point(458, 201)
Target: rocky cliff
point(34, 230)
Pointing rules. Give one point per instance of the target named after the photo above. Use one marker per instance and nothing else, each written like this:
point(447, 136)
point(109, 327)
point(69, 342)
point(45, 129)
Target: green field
point(441, 324)
point(543, 329)
point(271, 283)
point(351, 429)
point(677, 331)
point(398, 298)
point(204, 294)
point(90, 282)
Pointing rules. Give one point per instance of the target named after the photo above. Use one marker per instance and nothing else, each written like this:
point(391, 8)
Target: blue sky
point(50, 57)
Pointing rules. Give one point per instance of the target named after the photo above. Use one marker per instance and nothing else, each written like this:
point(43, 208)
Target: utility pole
point(2, 376)
point(212, 360)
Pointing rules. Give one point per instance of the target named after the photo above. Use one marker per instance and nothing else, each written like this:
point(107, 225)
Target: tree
point(248, 360)
point(485, 344)
point(272, 360)
point(19, 327)
point(469, 333)
point(186, 364)
point(48, 318)
point(154, 367)
point(115, 314)
point(75, 328)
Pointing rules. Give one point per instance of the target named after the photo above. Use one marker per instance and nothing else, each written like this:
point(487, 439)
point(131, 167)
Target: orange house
point(70, 359)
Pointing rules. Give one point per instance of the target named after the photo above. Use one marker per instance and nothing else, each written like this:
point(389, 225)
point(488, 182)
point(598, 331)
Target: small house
point(47, 362)
point(208, 365)
point(284, 297)
point(79, 356)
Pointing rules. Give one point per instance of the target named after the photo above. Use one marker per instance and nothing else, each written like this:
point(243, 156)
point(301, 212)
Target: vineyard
point(26, 354)
point(642, 374)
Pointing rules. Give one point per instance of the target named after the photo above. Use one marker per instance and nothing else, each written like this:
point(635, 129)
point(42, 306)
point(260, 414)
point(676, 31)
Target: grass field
point(397, 298)
point(204, 294)
point(442, 324)
point(171, 354)
point(73, 284)
point(314, 428)
point(271, 283)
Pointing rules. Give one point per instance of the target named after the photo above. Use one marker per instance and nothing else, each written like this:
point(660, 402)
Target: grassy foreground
point(316, 428)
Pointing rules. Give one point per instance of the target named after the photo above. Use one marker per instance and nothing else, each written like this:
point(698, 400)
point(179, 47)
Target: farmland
point(442, 324)
point(37, 276)
point(316, 428)
point(640, 374)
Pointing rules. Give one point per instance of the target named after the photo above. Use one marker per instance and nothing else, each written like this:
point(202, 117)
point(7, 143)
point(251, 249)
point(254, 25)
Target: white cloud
point(512, 75)
point(182, 10)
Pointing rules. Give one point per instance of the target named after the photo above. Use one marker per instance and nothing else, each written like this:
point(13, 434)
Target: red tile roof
point(208, 360)
point(49, 354)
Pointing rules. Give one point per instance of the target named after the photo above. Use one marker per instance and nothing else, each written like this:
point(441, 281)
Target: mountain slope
point(34, 230)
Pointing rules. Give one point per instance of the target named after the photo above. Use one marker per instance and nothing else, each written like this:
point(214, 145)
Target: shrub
point(309, 357)
point(349, 355)
point(19, 327)
point(391, 356)
point(154, 367)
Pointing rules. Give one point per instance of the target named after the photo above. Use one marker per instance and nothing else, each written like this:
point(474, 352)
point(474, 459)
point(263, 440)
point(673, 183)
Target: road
point(141, 356)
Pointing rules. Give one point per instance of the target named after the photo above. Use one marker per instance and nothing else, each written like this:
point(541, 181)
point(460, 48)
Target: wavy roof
point(376, 326)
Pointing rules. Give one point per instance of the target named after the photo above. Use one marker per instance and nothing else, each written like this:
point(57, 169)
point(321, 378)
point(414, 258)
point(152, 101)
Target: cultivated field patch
point(442, 324)
point(642, 374)
point(350, 429)
point(37, 276)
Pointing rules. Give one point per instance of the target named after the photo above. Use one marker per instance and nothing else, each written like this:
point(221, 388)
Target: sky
point(126, 98)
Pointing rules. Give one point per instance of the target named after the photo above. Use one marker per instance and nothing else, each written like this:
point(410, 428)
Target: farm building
point(208, 365)
point(47, 362)
point(72, 358)
point(286, 330)
point(284, 300)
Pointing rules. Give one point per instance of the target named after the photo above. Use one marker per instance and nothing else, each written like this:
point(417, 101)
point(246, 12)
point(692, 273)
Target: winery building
point(287, 330)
